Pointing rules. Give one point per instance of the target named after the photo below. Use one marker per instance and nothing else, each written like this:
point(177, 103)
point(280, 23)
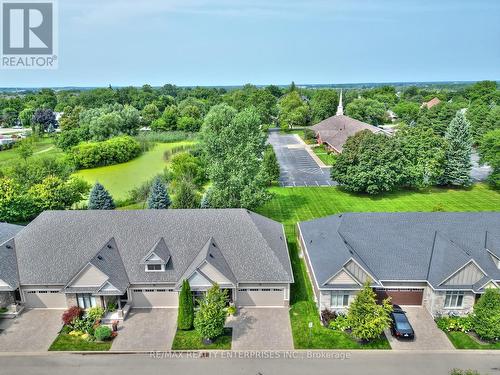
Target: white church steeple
point(340, 108)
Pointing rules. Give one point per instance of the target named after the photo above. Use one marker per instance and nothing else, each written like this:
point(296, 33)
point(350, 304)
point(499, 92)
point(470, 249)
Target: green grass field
point(191, 340)
point(65, 342)
point(291, 205)
point(42, 147)
point(462, 340)
point(327, 158)
point(119, 179)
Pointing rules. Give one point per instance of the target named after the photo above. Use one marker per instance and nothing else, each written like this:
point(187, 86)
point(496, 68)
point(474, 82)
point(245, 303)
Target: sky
point(233, 42)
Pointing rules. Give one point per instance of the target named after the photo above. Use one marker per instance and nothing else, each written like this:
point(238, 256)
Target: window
point(339, 299)
point(453, 299)
point(86, 301)
point(154, 267)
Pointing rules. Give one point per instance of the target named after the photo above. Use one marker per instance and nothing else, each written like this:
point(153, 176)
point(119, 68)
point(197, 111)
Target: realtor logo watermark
point(29, 34)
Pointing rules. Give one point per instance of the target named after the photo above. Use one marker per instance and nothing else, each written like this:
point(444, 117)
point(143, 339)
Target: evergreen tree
point(186, 308)
point(271, 168)
point(211, 317)
point(100, 199)
point(486, 318)
point(186, 196)
point(458, 152)
point(158, 195)
point(205, 199)
point(367, 318)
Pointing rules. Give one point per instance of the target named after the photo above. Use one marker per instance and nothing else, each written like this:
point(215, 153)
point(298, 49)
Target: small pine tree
point(100, 199)
point(158, 195)
point(205, 199)
point(186, 196)
point(458, 152)
point(186, 308)
point(366, 318)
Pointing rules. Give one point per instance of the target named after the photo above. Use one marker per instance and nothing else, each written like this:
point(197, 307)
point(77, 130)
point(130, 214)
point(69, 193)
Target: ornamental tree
point(100, 199)
point(211, 317)
point(487, 315)
point(366, 318)
point(43, 120)
point(185, 316)
point(186, 196)
point(271, 168)
point(457, 164)
point(158, 195)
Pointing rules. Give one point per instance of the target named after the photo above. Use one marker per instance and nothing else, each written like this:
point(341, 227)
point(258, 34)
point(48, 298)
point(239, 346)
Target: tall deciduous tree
point(489, 149)
point(458, 152)
point(158, 195)
point(100, 199)
point(186, 196)
point(367, 318)
point(293, 111)
point(233, 145)
point(186, 307)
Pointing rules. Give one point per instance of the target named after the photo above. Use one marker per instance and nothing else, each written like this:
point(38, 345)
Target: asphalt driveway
point(261, 329)
point(427, 335)
point(297, 165)
point(146, 330)
point(32, 331)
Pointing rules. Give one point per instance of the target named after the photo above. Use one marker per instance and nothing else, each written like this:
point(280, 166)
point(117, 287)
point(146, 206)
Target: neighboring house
point(8, 271)
point(140, 258)
point(334, 131)
point(443, 261)
point(431, 103)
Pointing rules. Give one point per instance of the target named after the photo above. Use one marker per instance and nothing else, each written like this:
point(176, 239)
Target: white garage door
point(51, 299)
point(154, 298)
point(261, 297)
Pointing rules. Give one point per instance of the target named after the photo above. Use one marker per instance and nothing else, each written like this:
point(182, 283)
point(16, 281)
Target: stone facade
point(325, 300)
point(6, 299)
point(434, 303)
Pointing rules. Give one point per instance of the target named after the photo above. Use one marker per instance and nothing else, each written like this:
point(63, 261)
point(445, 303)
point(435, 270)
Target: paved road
point(355, 362)
point(297, 167)
point(479, 172)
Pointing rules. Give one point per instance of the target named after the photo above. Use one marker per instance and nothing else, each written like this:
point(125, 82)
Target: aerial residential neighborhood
point(212, 187)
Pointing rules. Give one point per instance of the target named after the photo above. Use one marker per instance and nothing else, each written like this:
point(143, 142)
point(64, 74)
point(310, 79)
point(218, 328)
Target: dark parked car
point(400, 326)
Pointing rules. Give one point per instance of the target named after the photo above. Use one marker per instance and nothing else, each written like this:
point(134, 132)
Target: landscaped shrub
point(309, 135)
point(102, 333)
point(327, 316)
point(455, 323)
point(95, 313)
point(113, 151)
point(211, 317)
point(71, 315)
point(186, 308)
point(487, 315)
point(340, 323)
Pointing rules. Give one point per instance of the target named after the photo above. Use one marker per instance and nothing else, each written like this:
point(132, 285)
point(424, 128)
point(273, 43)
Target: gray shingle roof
point(8, 266)
point(211, 254)
point(160, 249)
point(57, 244)
point(7, 231)
point(403, 246)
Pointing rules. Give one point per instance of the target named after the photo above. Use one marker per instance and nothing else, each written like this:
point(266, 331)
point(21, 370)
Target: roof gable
point(8, 266)
point(89, 276)
point(469, 274)
point(159, 253)
point(342, 278)
point(197, 279)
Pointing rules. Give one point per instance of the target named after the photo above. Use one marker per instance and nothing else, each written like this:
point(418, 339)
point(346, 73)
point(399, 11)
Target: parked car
point(400, 326)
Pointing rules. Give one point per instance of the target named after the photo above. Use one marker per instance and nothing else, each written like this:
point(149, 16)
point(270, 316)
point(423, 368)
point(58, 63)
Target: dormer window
point(155, 267)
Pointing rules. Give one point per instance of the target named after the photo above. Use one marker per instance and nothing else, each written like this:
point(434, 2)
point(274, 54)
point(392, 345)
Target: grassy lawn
point(119, 179)
point(327, 158)
point(461, 340)
point(191, 340)
point(291, 205)
point(42, 147)
point(65, 342)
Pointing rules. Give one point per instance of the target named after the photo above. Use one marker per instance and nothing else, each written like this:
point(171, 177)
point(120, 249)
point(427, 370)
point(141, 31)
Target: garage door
point(148, 298)
point(261, 297)
point(51, 299)
point(401, 296)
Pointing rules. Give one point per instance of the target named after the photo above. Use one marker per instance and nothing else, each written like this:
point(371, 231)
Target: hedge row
point(97, 154)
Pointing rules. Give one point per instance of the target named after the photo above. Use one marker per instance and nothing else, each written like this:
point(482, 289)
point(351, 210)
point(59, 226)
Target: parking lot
point(297, 165)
